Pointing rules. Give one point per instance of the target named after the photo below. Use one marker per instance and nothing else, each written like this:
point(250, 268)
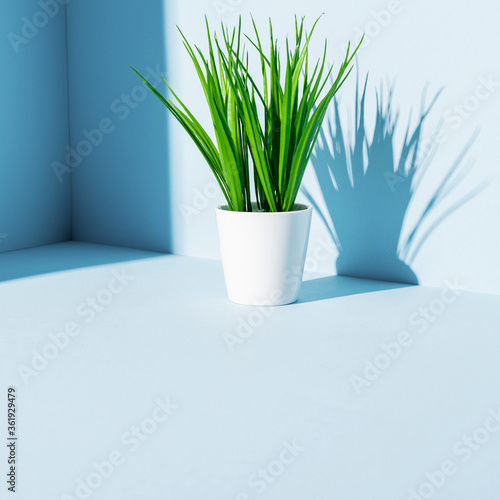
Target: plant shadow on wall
point(367, 183)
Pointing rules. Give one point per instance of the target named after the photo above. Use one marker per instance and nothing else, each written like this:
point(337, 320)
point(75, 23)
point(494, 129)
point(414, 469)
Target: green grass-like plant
point(272, 128)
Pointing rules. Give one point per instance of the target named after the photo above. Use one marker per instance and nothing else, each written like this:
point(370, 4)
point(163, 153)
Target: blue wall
point(119, 179)
point(120, 189)
point(35, 208)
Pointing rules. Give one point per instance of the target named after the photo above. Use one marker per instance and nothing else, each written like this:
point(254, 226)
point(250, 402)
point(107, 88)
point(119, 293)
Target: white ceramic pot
point(263, 254)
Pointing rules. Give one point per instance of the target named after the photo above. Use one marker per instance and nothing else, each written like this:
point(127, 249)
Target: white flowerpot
point(263, 254)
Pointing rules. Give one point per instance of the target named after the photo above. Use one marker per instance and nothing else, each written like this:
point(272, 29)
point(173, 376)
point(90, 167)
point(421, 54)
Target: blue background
point(138, 181)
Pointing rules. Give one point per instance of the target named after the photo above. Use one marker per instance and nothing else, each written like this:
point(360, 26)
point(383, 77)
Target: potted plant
point(265, 130)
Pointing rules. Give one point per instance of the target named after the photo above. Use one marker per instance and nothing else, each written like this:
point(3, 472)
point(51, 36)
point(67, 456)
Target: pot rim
point(303, 209)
